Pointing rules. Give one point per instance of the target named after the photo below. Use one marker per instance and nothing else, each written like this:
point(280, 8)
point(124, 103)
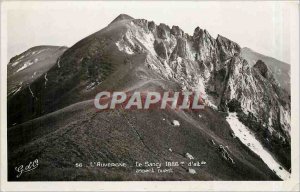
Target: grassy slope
point(79, 133)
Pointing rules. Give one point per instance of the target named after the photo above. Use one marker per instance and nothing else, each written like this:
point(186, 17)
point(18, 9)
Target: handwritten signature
point(23, 169)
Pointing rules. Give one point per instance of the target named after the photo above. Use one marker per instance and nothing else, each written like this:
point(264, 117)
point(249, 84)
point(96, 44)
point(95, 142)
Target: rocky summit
point(51, 116)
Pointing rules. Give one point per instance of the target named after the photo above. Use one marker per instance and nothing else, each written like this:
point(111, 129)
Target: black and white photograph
point(119, 92)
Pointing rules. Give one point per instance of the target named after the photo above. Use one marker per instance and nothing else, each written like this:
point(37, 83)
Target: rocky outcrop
point(151, 26)
point(205, 46)
point(181, 49)
point(160, 49)
point(262, 68)
point(163, 31)
point(227, 48)
point(176, 31)
point(225, 154)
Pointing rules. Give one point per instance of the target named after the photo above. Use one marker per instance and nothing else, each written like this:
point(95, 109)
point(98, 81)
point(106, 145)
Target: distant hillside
point(281, 70)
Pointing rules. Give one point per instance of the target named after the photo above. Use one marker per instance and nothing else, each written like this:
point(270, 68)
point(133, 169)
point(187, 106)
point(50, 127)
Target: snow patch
point(146, 40)
point(175, 123)
point(32, 76)
point(37, 52)
point(17, 90)
point(210, 104)
point(26, 64)
point(201, 87)
point(91, 86)
point(285, 119)
point(58, 62)
point(189, 156)
point(246, 137)
point(168, 69)
point(203, 162)
point(21, 57)
point(31, 92)
point(46, 80)
point(179, 60)
point(192, 171)
point(15, 63)
point(270, 119)
point(124, 48)
point(213, 142)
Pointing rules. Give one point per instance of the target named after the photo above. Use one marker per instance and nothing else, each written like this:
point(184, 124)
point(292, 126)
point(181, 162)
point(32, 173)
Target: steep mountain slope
point(134, 54)
point(281, 70)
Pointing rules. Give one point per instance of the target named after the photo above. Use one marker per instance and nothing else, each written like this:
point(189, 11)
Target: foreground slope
point(81, 134)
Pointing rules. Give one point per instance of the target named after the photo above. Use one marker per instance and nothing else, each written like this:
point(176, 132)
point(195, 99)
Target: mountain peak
point(247, 48)
point(122, 17)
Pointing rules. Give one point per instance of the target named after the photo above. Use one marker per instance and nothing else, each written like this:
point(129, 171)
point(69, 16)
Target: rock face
point(262, 68)
point(136, 54)
point(228, 49)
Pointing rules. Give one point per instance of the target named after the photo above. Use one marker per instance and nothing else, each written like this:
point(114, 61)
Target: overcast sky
point(261, 26)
